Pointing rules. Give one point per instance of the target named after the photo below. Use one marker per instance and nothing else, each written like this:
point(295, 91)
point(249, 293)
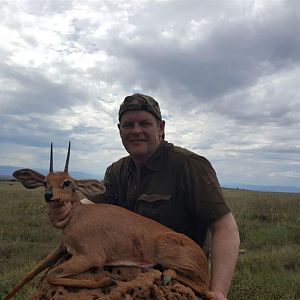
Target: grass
point(26, 236)
point(269, 226)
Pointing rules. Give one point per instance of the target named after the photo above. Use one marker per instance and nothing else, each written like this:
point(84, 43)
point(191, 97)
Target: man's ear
point(162, 128)
point(119, 127)
point(90, 187)
point(29, 178)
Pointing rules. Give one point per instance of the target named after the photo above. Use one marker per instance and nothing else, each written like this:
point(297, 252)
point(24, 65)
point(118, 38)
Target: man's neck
point(139, 162)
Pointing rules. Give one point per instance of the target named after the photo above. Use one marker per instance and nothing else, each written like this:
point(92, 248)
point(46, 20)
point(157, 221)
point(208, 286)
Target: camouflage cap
point(144, 102)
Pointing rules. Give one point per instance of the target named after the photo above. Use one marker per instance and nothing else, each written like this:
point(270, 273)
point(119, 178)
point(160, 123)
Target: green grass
point(26, 236)
point(269, 226)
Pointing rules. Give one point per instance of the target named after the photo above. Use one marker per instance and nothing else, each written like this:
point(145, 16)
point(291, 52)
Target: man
point(169, 184)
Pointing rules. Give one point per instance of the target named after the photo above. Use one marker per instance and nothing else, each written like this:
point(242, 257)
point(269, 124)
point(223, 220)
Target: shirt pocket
point(155, 206)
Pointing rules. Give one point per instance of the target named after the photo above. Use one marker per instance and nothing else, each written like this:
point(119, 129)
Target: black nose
point(48, 196)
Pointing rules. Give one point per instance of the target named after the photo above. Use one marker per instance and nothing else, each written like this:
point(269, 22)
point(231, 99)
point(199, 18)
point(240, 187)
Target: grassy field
point(269, 227)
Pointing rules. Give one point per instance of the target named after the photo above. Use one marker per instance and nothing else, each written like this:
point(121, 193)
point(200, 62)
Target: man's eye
point(126, 125)
point(146, 124)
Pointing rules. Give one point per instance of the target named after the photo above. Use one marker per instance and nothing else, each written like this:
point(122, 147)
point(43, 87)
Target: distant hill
point(6, 174)
point(7, 171)
point(6, 178)
point(265, 188)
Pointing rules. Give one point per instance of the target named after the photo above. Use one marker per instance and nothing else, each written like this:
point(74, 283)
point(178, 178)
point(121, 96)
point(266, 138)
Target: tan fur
point(102, 235)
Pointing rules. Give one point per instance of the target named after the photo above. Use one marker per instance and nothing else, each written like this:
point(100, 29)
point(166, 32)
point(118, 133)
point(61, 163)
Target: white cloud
point(225, 73)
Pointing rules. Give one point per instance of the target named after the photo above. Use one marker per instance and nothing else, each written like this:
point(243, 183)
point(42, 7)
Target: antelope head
point(59, 186)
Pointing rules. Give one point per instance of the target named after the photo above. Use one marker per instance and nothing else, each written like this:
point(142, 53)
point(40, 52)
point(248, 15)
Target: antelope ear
point(29, 178)
point(90, 187)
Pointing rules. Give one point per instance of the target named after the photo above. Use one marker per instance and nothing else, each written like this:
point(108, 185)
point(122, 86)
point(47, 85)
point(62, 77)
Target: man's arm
point(224, 251)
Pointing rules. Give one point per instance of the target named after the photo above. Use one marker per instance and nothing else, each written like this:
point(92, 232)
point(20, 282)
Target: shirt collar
point(153, 161)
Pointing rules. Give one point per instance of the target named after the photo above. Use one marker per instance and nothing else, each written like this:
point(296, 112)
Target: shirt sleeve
point(202, 190)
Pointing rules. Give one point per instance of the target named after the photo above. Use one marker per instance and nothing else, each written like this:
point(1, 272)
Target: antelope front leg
point(98, 281)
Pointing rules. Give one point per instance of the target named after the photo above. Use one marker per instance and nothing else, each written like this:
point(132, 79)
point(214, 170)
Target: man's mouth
point(137, 141)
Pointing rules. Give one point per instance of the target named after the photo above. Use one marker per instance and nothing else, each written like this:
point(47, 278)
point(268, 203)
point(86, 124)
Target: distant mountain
point(265, 188)
point(6, 178)
point(8, 171)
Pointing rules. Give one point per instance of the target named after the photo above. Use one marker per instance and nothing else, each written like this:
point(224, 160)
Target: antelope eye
point(66, 183)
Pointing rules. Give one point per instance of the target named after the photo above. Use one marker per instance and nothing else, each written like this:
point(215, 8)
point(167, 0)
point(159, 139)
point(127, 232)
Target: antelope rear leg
point(202, 290)
point(75, 265)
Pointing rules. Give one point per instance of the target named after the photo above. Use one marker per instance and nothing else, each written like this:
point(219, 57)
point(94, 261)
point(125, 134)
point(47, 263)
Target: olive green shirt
point(176, 187)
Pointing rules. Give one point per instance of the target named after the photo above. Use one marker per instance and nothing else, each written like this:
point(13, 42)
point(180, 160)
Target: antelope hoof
point(167, 276)
point(165, 280)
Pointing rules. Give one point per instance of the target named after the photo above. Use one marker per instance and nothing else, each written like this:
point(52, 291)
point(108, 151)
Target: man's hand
point(59, 214)
point(219, 295)
point(86, 201)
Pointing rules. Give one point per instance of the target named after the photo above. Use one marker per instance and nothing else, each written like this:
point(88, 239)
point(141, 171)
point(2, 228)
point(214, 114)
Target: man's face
point(141, 133)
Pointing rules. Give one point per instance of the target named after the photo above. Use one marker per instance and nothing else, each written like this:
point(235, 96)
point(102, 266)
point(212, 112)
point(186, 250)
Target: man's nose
point(136, 128)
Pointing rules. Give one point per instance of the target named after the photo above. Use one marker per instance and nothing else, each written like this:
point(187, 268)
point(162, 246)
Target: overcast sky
point(226, 74)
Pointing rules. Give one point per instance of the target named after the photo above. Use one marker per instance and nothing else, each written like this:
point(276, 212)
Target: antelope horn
point(68, 158)
point(51, 159)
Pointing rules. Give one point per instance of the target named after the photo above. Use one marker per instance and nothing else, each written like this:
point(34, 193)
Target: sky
point(226, 75)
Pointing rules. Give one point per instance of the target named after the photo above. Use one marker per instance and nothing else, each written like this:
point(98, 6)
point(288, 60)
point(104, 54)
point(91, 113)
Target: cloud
point(205, 57)
point(226, 75)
